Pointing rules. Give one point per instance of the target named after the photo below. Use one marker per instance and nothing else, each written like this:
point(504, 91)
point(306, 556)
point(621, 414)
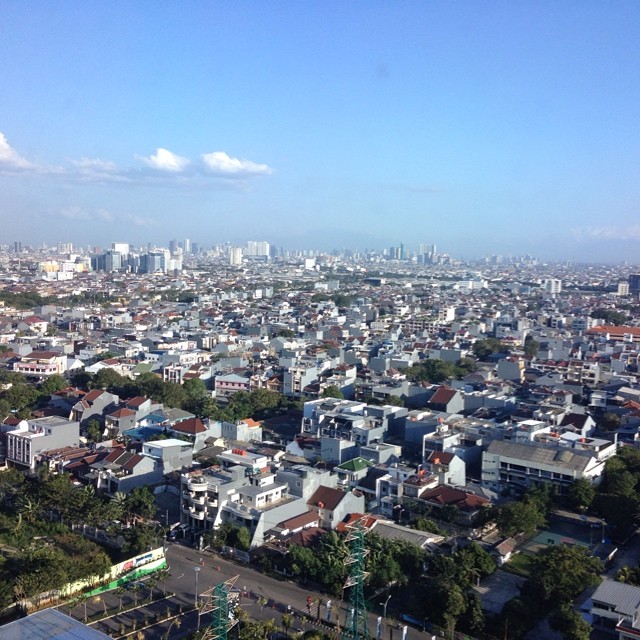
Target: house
point(122, 471)
point(468, 506)
point(94, 406)
point(171, 455)
point(41, 364)
point(615, 607)
point(332, 505)
point(30, 438)
point(119, 421)
point(447, 400)
point(246, 430)
point(226, 385)
point(191, 429)
point(447, 467)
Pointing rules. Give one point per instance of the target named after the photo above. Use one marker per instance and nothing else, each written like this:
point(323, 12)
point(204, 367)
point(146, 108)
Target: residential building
point(30, 438)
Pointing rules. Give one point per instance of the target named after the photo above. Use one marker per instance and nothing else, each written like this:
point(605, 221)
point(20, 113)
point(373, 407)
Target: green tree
point(108, 378)
point(531, 347)
point(474, 615)
point(429, 525)
point(53, 383)
point(518, 517)
point(581, 493)
point(431, 370)
point(141, 502)
point(482, 349)
point(570, 624)
point(609, 421)
point(94, 431)
point(559, 573)
point(609, 316)
point(332, 391)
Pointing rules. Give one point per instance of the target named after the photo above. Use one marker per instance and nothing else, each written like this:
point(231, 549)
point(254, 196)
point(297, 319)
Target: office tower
point(120, 247)
point(112, 261)
point(173, 246)
point(187, 246)
point(634, 284)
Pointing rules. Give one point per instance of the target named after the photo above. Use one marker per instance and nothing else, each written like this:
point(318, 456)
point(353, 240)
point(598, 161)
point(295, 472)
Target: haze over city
point(503, 127)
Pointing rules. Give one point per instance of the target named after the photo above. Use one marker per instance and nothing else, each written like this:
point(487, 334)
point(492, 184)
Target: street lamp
point(384, 606)
point(197, 571)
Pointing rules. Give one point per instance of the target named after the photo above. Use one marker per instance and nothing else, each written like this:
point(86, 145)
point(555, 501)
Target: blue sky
point(485, 127)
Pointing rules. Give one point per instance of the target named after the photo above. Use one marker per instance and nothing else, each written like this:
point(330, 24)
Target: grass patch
point(520, 564)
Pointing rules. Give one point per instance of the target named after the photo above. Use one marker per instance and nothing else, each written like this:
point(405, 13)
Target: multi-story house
point(30, 438)
point(227, 385)
point(333, 505)
point(259, 503)
point(41, 364)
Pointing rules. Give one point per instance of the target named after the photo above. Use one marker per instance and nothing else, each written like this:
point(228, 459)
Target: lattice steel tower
point(216, 601)
point(355, 627)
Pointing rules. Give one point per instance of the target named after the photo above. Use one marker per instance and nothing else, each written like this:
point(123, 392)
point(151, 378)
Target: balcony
point(198, 515)
point(197, 483)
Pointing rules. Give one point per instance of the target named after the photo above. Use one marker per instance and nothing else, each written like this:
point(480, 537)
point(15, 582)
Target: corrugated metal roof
point(624, 597)
point(49, 624)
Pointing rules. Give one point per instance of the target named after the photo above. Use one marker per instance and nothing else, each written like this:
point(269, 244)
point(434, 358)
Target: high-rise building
point(634, 284)
point(173, 246)
point(187, 246)
point(257, 248)
point(235, 256)
point(552, 285)
point(120, 247)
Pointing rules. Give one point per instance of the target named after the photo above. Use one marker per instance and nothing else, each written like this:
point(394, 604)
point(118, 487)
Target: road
point(214, 569)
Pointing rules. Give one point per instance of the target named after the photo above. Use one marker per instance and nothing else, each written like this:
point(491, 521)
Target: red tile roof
point(190, 426)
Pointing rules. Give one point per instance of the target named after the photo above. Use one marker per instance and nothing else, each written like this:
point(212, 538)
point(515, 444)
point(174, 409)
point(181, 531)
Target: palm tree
point(120, 591)
point(151, 585)
point(287, 621)
point(162, 575)
point(174, 623)
point(269, 627)
point(135, 590)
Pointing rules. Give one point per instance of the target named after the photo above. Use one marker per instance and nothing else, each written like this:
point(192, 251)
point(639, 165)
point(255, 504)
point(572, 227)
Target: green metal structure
point(218, 601)
point(355, 626)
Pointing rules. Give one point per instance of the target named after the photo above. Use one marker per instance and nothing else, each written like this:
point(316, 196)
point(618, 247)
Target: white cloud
point(10, 159)
point(77, 213)
point(165, 160)
point(165, 163)
point(95, 164)
point(220, 163)
point(632, 232)
point(140, 221)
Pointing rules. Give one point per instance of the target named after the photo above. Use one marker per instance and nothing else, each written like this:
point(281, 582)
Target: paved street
point(279, 593)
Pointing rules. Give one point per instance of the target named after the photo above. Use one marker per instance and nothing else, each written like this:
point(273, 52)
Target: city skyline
point(508, 128)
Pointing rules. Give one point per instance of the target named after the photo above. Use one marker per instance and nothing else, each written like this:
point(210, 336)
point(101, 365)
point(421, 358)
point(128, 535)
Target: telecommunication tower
point(355, 627)
point(217, 601)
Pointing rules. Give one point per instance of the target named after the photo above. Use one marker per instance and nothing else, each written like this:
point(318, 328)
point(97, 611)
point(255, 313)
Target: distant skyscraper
point(173, 246)
point(187, 246)
point(257, 248)
point(120, 247)
point(634, 284)
point(235, 256)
